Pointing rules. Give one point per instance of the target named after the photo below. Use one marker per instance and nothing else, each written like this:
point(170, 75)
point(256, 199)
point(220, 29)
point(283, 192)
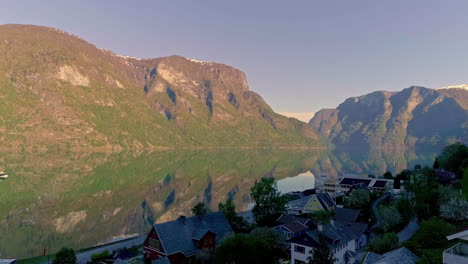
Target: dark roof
point(305, 240)
point(287, 218)
point(379, 184)
point(325, 200)
point(397, 256)
point(179, 235)
point(295, 227)
point(339, 231)
point(346, 214)
point(444, 176)
point(308, 192)
point(352, 181)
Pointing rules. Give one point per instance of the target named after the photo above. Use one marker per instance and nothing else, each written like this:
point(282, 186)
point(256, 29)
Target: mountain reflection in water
point(82, 199)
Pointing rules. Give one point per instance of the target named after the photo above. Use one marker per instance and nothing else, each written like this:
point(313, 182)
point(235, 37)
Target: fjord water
point(82, 199)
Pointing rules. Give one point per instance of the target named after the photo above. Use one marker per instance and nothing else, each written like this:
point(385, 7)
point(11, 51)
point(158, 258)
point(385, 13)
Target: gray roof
point(179, 235)
point(397, 256)
point(325, 200)
point(346, 214)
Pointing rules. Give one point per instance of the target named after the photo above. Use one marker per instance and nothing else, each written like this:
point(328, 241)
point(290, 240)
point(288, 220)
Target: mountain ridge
point(58, 90)
point(415, 118)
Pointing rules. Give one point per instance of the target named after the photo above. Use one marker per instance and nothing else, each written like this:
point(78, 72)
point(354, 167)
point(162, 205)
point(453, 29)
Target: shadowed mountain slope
point(415, 118)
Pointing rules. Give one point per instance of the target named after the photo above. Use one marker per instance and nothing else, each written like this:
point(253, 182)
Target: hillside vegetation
point(57, 90)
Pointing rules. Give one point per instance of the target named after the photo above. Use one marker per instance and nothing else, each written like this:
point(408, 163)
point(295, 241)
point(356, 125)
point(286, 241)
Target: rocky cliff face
point(416, 118)
point(58, 90)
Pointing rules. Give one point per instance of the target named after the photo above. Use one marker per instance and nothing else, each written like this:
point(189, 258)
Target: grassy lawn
point(35, 260)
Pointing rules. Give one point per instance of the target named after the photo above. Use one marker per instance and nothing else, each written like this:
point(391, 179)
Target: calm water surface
point(82, 199)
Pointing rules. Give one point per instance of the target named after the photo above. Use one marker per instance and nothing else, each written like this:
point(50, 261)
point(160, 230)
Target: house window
point(154, 243)
point(299, 249)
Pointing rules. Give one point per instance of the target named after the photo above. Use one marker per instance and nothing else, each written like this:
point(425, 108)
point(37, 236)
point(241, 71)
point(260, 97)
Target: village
point(416, 216)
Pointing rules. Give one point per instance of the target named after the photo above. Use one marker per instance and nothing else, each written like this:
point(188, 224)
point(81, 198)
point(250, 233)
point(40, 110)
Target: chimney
point(320, 227)
point(182, 219)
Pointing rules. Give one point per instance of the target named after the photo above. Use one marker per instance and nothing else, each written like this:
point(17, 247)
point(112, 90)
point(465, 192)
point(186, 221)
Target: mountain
point(57, 90)
point(415, 118)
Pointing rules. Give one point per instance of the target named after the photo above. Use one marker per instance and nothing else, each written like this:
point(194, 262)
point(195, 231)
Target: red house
point(179, 241)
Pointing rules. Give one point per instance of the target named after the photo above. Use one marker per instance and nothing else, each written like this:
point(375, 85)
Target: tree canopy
point(358, 199)
point(384, 243)
point(238, 223)
point(65, 256)
point(241, 248)
point(453, 157)
point(269, 202)
point(390, 217)
point(200, 209)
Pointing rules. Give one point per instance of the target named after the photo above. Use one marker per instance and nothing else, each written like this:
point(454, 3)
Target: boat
point(3, 175)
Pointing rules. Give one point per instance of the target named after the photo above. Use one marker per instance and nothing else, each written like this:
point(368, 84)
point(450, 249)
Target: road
point(375, 211)
point(408, 231)
point(85, 256)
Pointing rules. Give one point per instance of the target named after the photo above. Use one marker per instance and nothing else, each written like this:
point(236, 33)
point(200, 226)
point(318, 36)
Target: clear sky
point(299, 55)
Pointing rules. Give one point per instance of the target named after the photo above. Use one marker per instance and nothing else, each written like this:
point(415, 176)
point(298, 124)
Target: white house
point(457, 254)
point(343, 238)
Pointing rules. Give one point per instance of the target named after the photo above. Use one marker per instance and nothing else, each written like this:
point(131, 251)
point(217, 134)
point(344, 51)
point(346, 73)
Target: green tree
point(358, 199)
point(436, 164)
point(322, 216)
point(322, 254)
point(242, 248)
point(384, 243)
point(389, 217)
point(276, 241)
point(65, 256)
point(388, 175)
point(200, 209)
point(432, 234)
point(229, 210)
point(404, 174)
point(269, 203)
point(452, 157)
point(430, 256)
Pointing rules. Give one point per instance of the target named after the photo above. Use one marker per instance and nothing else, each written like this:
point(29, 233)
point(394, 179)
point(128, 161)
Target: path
point(375, 211)
point(409, 230)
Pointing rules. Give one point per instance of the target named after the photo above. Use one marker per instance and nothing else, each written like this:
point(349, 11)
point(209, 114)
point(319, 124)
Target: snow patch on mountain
point(460, 86)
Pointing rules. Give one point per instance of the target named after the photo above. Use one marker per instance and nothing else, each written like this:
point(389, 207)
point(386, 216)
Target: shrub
point(384, 243)
point(65, 256)
point(390, 217)
point(100, 256)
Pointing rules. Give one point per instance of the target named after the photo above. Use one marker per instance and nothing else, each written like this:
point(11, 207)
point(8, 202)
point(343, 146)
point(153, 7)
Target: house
point(378, 185)
point(179, 241)
point(458, 253)
point(311, 204)
point(445, 177)
point(291, 226)
point(397, 256)
point(344, 239)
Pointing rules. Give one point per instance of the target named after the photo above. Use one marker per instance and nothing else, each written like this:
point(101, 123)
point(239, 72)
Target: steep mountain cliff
point(415, 118)
point(58, 90)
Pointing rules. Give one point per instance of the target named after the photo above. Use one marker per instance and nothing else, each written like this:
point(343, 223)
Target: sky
point(301, 56)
